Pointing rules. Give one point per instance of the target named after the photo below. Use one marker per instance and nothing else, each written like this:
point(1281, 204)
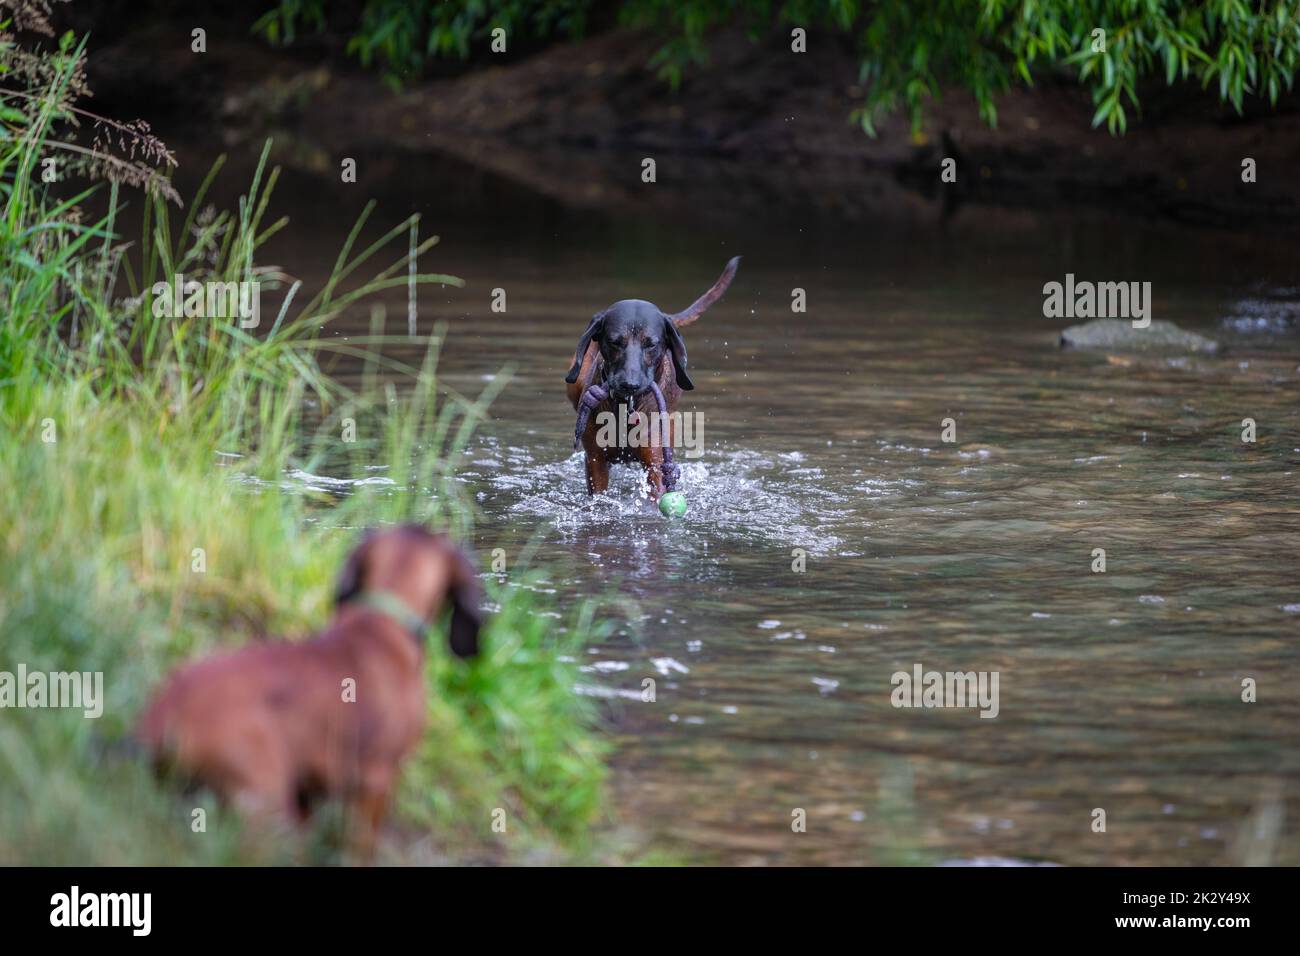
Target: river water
point(1118, 690)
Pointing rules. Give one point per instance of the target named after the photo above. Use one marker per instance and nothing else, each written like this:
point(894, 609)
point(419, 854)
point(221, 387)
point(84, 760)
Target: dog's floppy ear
point(678, 349)
point(593, 331)
point(465, 595)
point(351, 578)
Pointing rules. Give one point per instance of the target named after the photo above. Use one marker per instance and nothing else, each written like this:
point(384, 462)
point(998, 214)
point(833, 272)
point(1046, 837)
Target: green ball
point(672, 504)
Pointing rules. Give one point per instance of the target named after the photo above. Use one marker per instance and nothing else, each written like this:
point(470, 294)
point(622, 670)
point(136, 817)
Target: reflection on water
point(1119, 690)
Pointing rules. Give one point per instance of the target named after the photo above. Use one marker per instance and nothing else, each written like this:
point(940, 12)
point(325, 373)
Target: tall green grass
point(129, 441)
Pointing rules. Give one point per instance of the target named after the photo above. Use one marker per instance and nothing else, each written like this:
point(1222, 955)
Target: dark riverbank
point(757, 128)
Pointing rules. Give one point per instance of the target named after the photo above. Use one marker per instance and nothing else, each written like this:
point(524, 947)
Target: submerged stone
point(1119, 334)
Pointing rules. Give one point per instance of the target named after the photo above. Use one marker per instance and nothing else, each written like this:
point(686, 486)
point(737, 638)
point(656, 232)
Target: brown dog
point(274, 727)
point(626, 349)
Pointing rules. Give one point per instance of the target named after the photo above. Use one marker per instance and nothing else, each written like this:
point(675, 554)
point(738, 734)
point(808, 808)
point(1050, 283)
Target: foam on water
point(731, 494)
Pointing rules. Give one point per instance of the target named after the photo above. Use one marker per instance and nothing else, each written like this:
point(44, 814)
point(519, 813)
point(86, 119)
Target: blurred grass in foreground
point(174, 434)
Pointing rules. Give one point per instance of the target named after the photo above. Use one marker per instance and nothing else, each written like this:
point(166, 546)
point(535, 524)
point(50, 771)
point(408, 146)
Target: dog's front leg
point(366, 813)
point(596, 462)
point(652, 461)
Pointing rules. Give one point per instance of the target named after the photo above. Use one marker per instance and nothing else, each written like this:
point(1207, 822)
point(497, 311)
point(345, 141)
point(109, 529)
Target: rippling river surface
point(1119, 690)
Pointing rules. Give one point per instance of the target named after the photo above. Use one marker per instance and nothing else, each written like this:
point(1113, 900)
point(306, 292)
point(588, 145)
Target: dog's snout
point(628, 384)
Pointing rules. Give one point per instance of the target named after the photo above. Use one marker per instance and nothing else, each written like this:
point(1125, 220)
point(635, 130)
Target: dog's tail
point(698, 307)
point(135, 748)
point(150, 742)
point(151, 737)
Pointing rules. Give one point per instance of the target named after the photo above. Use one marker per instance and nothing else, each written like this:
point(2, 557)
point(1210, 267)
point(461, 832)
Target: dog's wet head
point(426, 571)
point(634, 336)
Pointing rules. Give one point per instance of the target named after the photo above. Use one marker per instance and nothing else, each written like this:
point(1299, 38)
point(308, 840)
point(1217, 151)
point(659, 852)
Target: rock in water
point(1120, 335)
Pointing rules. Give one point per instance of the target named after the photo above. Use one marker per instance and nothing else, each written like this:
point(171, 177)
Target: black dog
point(633, 354)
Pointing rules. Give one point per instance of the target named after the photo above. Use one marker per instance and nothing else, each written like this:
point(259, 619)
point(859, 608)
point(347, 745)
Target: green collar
point(389, 603)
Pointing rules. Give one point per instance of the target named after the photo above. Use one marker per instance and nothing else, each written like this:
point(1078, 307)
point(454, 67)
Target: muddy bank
point(758, 128)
